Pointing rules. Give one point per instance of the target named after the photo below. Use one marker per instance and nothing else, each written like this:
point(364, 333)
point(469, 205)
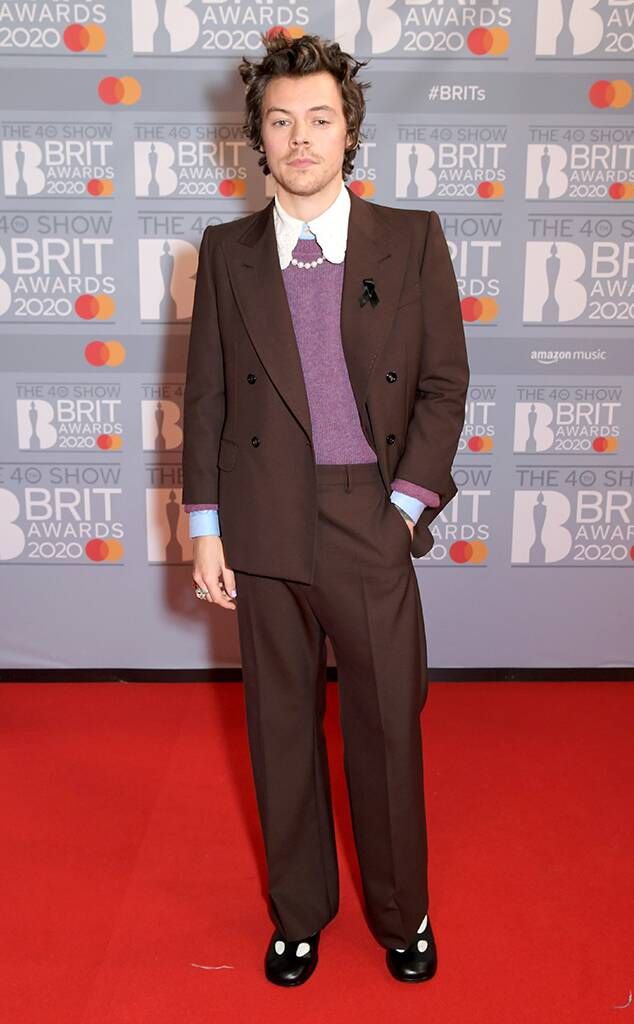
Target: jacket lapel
point(256, 278)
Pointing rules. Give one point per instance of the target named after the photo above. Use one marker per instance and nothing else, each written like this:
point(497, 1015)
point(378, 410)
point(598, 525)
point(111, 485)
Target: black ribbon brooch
point(369, 292)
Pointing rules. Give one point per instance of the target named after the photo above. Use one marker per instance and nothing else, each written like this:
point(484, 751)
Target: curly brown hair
point(303, 56)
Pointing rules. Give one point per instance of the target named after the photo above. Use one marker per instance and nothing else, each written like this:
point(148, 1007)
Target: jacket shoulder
point(232, 228)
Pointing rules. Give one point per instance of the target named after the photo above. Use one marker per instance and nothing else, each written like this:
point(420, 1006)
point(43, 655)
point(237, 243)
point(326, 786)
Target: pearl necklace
point(306, 264)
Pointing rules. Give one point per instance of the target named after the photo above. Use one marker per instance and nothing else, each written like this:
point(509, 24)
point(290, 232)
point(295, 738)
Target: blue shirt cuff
point(412, 506)
point(204, 522)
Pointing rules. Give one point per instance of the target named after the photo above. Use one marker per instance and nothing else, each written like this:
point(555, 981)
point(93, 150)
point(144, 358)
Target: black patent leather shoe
point(291, 962)
point(418, 961)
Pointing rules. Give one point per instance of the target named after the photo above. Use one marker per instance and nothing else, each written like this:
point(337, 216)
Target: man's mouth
point(301, 162)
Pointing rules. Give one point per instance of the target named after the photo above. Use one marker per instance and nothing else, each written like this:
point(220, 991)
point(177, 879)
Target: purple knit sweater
point(314, 298)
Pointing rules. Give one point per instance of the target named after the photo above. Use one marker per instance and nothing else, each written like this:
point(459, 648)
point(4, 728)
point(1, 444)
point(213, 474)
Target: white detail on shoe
point(400, 950)
point(280, 947)
point(423, 924)
point(422, 945)
point(302, 949)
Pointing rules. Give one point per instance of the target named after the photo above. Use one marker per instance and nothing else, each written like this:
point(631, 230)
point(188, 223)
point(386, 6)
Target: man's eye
point(281, 120)
point(323, 121)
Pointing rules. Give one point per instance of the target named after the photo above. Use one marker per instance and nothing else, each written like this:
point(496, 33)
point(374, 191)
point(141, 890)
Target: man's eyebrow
point(282, 110)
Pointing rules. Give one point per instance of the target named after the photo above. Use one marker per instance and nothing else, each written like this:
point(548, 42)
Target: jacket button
point(255, 441)
point(391, 376)
point(251, 378)
point(391, 438)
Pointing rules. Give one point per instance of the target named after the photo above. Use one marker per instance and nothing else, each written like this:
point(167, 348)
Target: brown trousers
point(365, 597)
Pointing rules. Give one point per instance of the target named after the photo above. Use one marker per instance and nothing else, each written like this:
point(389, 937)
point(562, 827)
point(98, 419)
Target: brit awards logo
point(451, 162)
point(430, 28)
point(167, 279)
point(580, 163)
point(168, 541)
point(59, 268)
point(462, 530)
point(58, 159)
point(550, 420)
point(573, 516)
point(61, 513)
point(583, 28)
point(69, 416)
point(161, 416)
point(363, 180)
point(199, 161)
point(212, 27)
point(478, 432)
point(476, 253)
point(587, 281)
point(40, 28)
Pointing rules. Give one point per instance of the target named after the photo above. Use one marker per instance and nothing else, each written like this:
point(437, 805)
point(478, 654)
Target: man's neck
point(306, 208)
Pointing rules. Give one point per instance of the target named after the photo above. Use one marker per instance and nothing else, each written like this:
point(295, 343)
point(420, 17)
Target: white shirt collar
point(330, 229)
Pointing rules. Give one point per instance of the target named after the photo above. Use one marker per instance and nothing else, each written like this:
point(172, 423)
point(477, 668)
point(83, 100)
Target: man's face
point(304, 131)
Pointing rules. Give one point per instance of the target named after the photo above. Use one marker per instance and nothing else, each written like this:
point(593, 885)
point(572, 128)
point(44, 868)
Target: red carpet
point(133, 879)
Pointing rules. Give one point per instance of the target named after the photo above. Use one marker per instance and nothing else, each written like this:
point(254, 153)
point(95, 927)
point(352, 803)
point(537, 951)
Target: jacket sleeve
point(434, 428)
point(204, 395)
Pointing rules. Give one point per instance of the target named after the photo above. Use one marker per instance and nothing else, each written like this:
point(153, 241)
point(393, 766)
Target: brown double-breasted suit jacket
point(247, 441)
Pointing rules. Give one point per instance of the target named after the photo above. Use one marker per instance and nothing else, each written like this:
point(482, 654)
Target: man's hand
point(210, 572)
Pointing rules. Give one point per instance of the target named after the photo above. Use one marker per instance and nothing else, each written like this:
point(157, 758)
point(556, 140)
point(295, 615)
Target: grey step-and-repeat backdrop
point(121, 140)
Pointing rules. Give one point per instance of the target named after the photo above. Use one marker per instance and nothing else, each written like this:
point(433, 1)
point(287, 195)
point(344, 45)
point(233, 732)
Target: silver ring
point(199, 592)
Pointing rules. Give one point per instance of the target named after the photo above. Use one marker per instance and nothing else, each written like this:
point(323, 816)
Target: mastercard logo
point(104, 550)
point(363, 189)
point(605, 444)
point(104, 353)
point(621, 190)
point(232, 188)
point(292, 31)
point(84, 38)
point(490, 190)
point(113, 90)
point(615, 94)
point(480, 444)
point(481, 311)
point(109, 442)
point(95, 307)
point(100, 187)
point(473, 551)
point(488, 42)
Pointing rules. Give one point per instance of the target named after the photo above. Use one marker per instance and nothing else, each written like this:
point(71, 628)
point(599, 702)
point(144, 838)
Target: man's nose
point(300, 135)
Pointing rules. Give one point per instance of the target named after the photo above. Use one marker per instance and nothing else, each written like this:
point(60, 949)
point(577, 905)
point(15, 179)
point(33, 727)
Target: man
point(325, 395)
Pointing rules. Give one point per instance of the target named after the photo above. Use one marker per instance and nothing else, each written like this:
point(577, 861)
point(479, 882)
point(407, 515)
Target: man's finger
point(216, 594)
point(229, 581)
